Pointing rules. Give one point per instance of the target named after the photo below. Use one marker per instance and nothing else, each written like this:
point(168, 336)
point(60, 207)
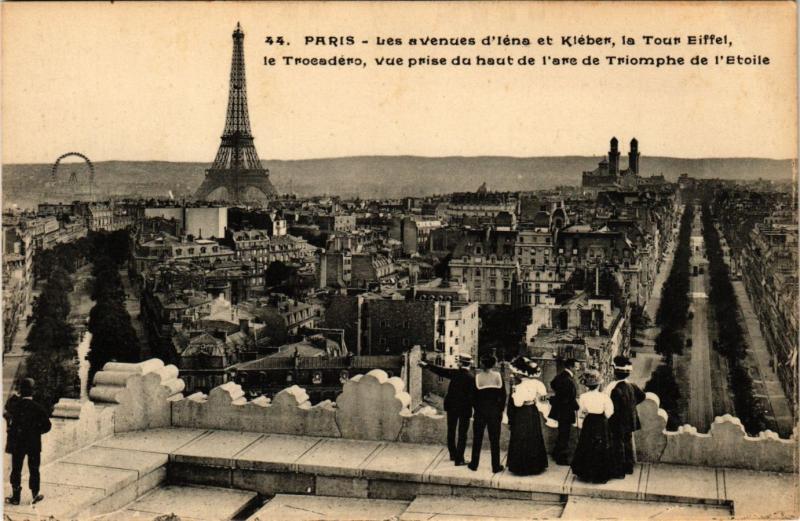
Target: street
point(13, 359)
point(701, 407)
point(767, 384)
point(647, 359)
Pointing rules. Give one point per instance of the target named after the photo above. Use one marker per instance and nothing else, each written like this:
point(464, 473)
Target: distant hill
point(382, 176)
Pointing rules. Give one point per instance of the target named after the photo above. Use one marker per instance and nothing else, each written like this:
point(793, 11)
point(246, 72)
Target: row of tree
point(730, 336)
point(671, 316)
point(113, 335)
point(674, 307)
point(51, 340)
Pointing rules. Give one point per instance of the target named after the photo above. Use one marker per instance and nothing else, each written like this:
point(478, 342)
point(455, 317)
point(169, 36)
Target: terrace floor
point(209, 475)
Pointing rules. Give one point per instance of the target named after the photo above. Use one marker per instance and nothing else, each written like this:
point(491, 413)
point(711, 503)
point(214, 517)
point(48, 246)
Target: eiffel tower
point(237, 167)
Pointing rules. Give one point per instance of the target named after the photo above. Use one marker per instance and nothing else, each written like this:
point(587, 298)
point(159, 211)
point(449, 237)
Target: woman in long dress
point(527, 455)
point(592, 460)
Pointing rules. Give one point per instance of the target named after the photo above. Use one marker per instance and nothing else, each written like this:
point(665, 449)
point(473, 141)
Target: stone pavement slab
point(443, 471)
point(311, 508)
point(192, 502)
point(164, 441)
point(275, 452)
point(216, 448)
point(141, 462)
point(674, 482)
point(448, 507)
point(580, 507)
point(762, 494)
point(60, 502)
point(338, 457)
point(109, 480)
point(631, 487)
point(556, 479)
point(403, 461)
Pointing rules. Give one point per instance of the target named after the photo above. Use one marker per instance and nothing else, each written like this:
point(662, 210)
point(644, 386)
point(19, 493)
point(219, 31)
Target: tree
point(277, 274)
point(662, 383)
point(56, 377)
point(113, 336)
point(640, 320)
point(731, 342)
point(442, 268)
point(503, 330)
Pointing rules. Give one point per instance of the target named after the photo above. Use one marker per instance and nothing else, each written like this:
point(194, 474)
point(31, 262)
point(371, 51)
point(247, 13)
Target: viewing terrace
point(140, 449)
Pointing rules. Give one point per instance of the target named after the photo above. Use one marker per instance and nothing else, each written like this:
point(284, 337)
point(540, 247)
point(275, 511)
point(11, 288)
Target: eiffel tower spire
point(237, 166)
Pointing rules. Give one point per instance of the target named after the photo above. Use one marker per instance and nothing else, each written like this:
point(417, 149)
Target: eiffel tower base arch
point(236, 184)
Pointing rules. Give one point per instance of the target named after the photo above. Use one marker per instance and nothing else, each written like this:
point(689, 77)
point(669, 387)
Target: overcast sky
point(140, 81)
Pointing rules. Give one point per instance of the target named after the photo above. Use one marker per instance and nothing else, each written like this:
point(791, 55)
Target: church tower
point(633, 157)
point(613, 157)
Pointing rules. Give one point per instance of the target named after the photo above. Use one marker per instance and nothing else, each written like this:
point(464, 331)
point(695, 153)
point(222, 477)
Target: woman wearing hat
point(526, 451)
point(625, 421)
point(592, 459)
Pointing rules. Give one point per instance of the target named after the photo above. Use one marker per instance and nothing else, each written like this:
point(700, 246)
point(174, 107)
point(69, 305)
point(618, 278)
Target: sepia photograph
point(399, 261)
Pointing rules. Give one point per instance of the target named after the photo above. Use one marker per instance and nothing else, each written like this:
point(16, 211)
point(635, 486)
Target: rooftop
point(141, 449)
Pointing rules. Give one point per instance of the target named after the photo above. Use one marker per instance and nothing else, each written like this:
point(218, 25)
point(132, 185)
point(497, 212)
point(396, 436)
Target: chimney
point(597, 280)
point(244, 325)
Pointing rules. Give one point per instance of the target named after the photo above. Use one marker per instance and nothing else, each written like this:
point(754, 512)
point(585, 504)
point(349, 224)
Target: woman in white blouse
point(526, 451)
point(592, 459)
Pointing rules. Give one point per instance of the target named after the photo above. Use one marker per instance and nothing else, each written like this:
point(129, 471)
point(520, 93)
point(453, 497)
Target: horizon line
point(329, 158)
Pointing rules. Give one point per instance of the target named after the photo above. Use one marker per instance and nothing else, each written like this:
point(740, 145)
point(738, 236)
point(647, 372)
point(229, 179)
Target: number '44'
point(274, 40)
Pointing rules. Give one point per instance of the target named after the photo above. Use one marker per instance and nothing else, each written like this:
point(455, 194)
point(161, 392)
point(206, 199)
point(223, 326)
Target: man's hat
point(465, 359)
point(591, 378)
point(569, 363)
point(26, 386)
point(622, 364)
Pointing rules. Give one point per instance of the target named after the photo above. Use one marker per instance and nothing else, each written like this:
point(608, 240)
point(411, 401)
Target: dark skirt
point(592, 459)
point(622, 453)
point(526, 452)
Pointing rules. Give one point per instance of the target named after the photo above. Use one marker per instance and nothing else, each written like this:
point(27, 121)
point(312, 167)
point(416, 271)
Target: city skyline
point(109, 82)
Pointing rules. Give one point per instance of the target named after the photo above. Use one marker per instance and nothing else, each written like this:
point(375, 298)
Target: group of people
point(606, 419)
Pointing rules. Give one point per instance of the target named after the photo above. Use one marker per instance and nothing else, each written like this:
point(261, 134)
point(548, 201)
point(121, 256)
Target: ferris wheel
point(81, 174)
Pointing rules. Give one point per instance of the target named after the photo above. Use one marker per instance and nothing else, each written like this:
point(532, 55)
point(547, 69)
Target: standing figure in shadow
point(592, 459)
point(457, 404)
point(490, 401)
point(563, 408)
point(625, 421)
point(527, 455)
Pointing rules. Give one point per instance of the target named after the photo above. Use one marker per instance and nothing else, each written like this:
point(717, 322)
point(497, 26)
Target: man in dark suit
point(624, 422)
point(564, 404)
point(458, 404)
point(27, 421)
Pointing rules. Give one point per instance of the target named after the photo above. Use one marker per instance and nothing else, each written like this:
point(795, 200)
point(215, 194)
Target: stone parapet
point(75, 424)
point(376, 407)
point(125, 397)
point(140, 393)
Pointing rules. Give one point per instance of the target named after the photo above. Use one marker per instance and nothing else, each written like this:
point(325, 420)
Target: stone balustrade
point(372, 406)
